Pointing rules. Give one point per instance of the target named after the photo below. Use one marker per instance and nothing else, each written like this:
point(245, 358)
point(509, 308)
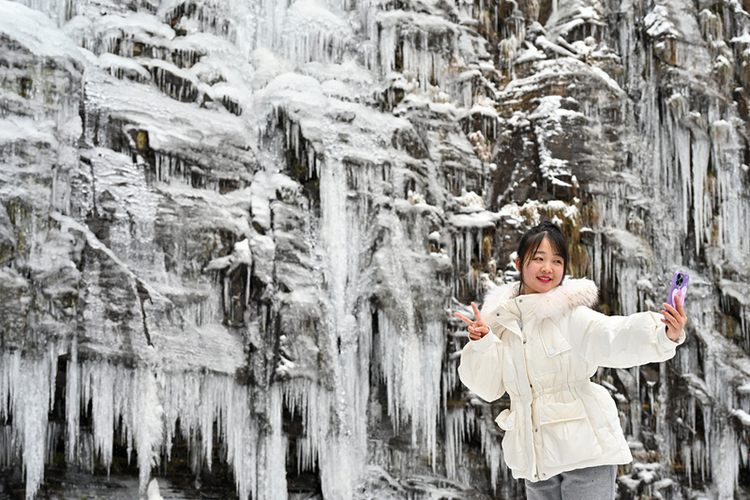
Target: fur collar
point(572, 293)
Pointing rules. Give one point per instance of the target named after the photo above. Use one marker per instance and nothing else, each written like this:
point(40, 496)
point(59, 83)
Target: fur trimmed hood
point(570, 294)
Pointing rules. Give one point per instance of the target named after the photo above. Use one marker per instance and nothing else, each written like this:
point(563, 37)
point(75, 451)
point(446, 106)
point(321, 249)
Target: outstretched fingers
point(478, 316)
point(477, 328)
point(464, 319)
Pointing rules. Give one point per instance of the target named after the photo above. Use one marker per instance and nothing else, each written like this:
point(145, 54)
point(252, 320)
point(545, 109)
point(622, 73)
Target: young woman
point(540, 341)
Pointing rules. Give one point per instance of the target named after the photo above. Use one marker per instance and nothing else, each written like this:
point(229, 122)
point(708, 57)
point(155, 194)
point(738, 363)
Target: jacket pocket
point(553, 344)
point(513, 451)
point(553, 340)
point(567, 434)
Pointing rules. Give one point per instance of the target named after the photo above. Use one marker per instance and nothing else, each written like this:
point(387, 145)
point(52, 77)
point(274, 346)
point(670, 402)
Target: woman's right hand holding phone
point(477, 328)
point(674, 317)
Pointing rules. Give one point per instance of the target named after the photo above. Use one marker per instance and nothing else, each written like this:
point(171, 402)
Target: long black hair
point(532, 238)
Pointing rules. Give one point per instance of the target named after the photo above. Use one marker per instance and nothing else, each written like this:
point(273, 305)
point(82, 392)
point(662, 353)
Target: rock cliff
point(234, 233)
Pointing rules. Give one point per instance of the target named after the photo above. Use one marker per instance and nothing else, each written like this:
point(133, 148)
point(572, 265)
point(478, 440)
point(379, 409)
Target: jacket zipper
point(534, 471)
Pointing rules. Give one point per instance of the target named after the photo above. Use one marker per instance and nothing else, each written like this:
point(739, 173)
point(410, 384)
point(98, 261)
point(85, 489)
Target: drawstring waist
point(538, 390)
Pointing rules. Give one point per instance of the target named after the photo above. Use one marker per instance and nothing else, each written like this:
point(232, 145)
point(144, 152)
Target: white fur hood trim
point(572, 293)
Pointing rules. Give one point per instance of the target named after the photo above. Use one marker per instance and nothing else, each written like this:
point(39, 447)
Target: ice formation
point(234, 233)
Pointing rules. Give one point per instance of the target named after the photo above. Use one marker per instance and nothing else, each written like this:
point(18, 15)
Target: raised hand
point(477, 328)
point(674, 318)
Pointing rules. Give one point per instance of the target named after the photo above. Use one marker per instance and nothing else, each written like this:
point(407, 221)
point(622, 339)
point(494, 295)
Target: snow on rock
point(153, 493)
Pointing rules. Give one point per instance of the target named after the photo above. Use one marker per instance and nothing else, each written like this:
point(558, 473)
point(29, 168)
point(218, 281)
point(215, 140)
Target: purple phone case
point(677, 286)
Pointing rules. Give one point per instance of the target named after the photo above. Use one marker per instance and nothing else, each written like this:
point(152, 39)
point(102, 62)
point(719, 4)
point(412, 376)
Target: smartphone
point(679, 284)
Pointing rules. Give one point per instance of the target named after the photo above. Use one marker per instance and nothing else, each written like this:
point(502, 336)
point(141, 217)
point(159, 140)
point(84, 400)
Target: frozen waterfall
point(234, 233)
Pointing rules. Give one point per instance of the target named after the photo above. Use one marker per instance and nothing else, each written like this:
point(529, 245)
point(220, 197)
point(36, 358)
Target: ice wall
point(234, 233)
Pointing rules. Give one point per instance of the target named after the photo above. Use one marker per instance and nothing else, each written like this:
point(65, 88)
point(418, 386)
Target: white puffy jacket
point(542, 350)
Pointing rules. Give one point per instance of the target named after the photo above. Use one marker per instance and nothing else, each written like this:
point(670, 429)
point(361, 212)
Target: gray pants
point(591, 483)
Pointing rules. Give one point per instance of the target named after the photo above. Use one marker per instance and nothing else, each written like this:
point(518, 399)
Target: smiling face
point(543, 270)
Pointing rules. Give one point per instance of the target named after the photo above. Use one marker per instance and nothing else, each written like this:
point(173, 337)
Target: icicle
point(412, 371)
point(72, 403)
point(59, 11)
point(99, 388)
point(272, 483)
point(492, 449)
point(458, 423)
point(26, 388)
point(701, 149)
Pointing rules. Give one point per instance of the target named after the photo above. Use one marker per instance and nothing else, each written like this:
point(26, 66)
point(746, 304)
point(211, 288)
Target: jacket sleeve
point(481, 367)
point(619, 341)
